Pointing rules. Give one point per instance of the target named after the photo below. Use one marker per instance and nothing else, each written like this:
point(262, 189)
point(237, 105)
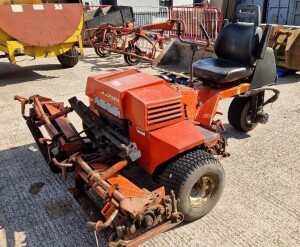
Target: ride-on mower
point(163, 125)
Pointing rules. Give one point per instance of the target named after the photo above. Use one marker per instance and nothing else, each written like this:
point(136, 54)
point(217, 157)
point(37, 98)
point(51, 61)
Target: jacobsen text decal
point(113, 98)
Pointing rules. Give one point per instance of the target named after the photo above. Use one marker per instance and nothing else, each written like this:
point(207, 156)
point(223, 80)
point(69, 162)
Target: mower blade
point(141, 238)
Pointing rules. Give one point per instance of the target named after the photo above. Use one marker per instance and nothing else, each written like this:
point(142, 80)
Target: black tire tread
point(235, 111)
point(183, 167)
point(69, 59)
point(100, 53)
point(128, 59)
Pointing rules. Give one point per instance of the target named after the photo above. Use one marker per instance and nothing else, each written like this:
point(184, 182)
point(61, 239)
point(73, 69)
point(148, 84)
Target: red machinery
point(159, 123)
point(136, 43)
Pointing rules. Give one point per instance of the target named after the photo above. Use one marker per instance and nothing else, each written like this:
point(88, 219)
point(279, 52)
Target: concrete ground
point(260, 205)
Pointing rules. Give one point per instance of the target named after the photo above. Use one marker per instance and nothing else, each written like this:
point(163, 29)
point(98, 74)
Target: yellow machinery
point(39, 29)
point(286, 45)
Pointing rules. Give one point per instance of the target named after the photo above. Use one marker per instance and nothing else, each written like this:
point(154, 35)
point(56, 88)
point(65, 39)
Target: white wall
point(148, 3)
point(212, 3)
point(182, 2)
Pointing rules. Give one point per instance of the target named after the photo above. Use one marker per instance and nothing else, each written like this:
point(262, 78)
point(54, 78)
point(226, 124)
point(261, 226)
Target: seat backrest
point(239, 42)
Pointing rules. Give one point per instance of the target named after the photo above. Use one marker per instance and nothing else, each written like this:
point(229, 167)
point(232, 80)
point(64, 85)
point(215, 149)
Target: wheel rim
point(248, 118)
point(133, 60)
point(246, 115)
point(102, 51)
point(202, 190)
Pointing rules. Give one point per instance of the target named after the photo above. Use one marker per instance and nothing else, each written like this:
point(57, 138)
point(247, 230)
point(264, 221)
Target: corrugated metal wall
point(229, 9)
point(279, 12)
point(295, 15)
point(261, 3)
point(285, 12)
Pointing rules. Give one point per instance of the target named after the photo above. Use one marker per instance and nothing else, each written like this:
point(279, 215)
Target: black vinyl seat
point(237, 50)
point(220, 70)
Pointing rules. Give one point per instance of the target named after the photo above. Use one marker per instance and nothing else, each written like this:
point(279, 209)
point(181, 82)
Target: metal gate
point(149, 15)
point(211, 19)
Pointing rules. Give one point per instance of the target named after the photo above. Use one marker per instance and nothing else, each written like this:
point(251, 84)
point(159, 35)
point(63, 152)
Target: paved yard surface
point(260, 205)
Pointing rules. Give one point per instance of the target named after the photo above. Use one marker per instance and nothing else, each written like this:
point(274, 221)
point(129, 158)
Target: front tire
point(239, 114)
point(197, 178)
point(68, 59)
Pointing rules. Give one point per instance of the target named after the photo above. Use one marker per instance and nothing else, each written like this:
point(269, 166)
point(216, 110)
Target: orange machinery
point(133, 121)
point(165, 124)
point(135, 42)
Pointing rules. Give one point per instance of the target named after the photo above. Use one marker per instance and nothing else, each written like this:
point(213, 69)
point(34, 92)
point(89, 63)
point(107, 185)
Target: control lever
point(195, 46)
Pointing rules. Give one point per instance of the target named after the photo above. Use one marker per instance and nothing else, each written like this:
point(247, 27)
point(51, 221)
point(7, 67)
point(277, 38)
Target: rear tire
point(132, 60)
point(239, 114)
point(197, 178)
point(69, 59)
point(102, 52)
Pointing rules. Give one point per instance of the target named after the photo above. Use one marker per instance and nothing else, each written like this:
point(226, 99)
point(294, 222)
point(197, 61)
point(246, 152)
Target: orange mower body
point(157, 111)
point(166, 124)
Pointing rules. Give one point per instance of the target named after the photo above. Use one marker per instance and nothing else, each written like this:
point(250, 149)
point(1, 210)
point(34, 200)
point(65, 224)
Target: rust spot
point(36, 188)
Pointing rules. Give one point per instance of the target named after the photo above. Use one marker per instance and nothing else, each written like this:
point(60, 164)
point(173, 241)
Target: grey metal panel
point(229, 8)
point(273, 3)
point(272, 15)
point(260, 3)
point(283, 16)
point(279, 3)
point(285, 3)
point(295, 19)
point(277, 16)
point(254, 2)
point(280, 12)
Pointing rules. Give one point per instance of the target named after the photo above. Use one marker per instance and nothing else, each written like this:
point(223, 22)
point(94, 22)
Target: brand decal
point(108, 95)
point(116, 83)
